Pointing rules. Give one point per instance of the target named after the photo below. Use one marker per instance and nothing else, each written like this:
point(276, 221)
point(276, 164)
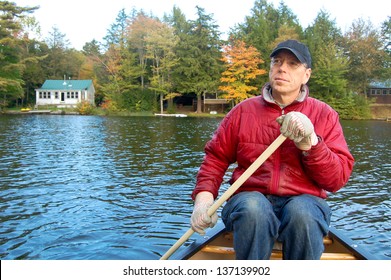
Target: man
point(284, 199)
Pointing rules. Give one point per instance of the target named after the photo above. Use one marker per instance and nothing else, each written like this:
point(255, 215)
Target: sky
point(84, 20)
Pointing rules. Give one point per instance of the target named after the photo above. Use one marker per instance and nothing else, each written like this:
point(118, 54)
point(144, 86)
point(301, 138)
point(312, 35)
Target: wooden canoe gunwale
point(344, 246)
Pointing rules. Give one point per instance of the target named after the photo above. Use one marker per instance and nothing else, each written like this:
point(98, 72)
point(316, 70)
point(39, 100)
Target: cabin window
point(56, 95)
point(40, 94)
point(68, 95)
point(77, 95)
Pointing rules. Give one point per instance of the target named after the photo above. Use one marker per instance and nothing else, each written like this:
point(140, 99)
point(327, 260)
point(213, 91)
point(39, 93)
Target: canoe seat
point(277, 250)
point(278, 246)
point(276, 254)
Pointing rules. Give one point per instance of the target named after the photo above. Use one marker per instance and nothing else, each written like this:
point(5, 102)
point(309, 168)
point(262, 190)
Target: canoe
point(172, 115)
point(217, 244)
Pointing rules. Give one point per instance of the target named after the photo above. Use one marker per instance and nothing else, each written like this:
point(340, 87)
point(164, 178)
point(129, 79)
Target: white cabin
point(65, 93)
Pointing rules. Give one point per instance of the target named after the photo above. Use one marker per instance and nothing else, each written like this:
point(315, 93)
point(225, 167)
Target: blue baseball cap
point(298, 49)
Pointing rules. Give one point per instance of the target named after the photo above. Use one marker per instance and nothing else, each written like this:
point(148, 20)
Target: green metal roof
point(378, 84)
point(66, 85)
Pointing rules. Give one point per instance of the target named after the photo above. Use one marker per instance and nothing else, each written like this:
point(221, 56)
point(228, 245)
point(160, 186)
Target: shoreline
point(379, 112)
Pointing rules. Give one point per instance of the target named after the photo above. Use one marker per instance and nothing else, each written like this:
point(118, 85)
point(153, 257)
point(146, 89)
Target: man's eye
point(276, 61)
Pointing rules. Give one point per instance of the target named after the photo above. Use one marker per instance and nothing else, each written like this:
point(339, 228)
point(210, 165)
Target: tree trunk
point(161, 103)
point(170, 105)
point(199, 103)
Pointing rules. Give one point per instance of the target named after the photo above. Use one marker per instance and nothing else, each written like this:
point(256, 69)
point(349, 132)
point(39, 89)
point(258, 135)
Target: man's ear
point(307, 75)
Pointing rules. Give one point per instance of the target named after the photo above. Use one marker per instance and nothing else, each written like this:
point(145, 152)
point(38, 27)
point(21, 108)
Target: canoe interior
point(218, 245)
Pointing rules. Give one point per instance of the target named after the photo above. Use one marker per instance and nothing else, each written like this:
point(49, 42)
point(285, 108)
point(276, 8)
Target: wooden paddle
point(231, 190)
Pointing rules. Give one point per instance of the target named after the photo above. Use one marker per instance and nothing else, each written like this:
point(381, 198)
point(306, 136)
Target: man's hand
point(200, 219)
point(298, 127)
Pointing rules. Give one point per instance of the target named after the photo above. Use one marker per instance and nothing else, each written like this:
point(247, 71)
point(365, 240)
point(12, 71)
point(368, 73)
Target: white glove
point(200, 219)
point(298, 127)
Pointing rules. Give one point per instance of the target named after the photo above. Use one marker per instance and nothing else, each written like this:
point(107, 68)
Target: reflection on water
point(74, 187)
point(363, 207)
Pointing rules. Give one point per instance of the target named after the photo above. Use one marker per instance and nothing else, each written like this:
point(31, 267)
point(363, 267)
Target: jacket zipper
point(276, 171)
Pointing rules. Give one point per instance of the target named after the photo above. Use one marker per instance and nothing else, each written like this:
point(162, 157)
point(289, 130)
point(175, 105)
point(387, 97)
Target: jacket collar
point(267, 95)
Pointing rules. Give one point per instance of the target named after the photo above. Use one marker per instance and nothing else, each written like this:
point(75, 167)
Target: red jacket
point(250, 127)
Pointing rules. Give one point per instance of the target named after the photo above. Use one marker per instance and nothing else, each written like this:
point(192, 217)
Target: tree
point(61, 59)
point(117, 34)
point(386, 41)
point(364, 49)
point(329, 65)
point(266, 26)
point(285, 32)
point(140, 28)
point(259, 29)
point(323, 31)
point(57, 39)
point(386, 35)
point(93, 68)
point(328, 79)
point(30, 28)
point(199, 67)
point(31, 53)
point(161, 42)
point(262, 27)
point(241, 66)
point(91, 62)
point(11, 66)
point(119, 65)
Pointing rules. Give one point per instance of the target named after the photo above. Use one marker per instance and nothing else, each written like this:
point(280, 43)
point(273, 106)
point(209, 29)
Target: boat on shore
point(217, 244)
point(172, 115)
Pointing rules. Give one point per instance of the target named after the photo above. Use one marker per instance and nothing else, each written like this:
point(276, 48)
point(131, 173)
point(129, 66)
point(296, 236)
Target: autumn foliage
point(242, 66)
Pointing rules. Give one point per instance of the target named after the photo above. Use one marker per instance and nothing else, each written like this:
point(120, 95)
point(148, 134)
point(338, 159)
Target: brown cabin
point(381, 91)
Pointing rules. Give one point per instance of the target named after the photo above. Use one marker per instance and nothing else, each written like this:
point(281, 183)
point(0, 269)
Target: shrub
point(85, 108)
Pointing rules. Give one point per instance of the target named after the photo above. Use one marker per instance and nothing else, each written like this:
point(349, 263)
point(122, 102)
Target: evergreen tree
point(11, 66)
point(386, 42)
point(329, 65)
point(32, 51)
point(323, 31)
point(117, 33)
point(198, 50)
point(262, 27)
point(328, 78)
point(61, 60)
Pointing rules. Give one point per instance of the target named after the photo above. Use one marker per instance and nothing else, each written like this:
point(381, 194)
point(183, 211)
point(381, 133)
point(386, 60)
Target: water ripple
point(76, 187)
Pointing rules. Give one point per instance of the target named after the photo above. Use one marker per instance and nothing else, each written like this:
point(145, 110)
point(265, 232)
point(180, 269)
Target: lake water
point(113, 188)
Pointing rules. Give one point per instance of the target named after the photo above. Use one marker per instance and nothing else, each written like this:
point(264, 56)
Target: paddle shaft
point(231, 190)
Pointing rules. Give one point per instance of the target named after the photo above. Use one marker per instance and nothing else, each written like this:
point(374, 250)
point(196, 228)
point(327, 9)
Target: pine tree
point(198, 50)
point(11, 66)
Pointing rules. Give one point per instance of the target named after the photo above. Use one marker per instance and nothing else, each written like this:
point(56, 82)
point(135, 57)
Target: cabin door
point(63, 96)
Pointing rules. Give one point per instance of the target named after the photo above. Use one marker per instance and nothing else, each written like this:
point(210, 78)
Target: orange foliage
point(241, 67)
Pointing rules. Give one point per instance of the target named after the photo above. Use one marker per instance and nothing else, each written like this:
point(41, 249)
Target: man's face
point(287, 74)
